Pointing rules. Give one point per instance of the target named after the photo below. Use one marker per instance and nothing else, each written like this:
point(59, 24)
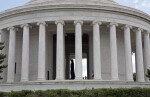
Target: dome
point(53, 2)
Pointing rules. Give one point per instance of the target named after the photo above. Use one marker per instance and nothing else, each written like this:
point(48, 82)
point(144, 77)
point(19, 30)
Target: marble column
point(96, 51)
point(11, 55)
point(78, 49)
point(51, 57)
point(146, 53)
point(113, 52)
point(128, 55)
point(42, 51)
point(139, 56)
point(25, 54)
point(90, 55)
point(60, 66)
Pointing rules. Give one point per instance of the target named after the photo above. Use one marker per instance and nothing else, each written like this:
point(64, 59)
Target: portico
point(53, 50)
point(42, 36)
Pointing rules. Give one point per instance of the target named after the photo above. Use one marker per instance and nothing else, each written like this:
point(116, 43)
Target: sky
point(143, 5)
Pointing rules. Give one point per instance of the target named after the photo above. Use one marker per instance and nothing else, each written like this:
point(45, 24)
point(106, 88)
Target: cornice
point(117, 8)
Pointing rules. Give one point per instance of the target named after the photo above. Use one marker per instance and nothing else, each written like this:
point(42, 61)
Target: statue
point(72, 70)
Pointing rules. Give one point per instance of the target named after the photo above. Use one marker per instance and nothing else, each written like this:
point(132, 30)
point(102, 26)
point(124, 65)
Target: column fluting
point(51, 57)
point(60, 66)
point(42, 51)
point(128, 54)
point(11, 54)
point(139, 56)
point(25, 54)
point(146, 53)
point(96, 51)
point(78, 49)
point(90, 55)
point(113, 52)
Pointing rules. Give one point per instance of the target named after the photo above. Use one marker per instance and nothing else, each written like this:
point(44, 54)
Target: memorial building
point(43, 36)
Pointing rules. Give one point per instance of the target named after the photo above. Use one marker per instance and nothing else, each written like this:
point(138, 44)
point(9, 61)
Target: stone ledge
point(67, 84)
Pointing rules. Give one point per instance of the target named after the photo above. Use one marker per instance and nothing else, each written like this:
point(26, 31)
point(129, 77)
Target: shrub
point(148, 74)
point(104, 92)
point(23, 93)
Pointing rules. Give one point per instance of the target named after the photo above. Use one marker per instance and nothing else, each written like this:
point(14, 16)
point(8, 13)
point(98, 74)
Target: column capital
point(42, 23)
point(78, 21)
point(12, 28)
point(60, 21)
point(27, 25)
point(138, 29)
point(146, 32)
point(113, 24)
point(127, 26)
point(96, 22)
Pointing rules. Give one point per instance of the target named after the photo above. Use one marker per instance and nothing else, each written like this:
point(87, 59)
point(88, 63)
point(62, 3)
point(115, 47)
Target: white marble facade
point(38, 49)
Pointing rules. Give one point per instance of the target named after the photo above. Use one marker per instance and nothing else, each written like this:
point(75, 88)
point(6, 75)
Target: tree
point(2, 57)
point(134, 76)
point(148, 74)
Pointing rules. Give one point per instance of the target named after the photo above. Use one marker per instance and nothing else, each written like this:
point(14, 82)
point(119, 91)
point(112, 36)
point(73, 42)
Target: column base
point(140, 80)
point(10, 81)
point(129, 80)
point(115, 79)
point(95, 79)
point(59, 78)
point(24, 80)
point(41, 79)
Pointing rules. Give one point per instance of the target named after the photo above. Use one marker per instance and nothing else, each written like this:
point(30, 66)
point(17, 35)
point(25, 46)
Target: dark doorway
point(69, 49)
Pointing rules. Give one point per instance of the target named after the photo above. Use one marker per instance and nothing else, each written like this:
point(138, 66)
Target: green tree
point(148, 74)
point(134, 76)
point(2, 57)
